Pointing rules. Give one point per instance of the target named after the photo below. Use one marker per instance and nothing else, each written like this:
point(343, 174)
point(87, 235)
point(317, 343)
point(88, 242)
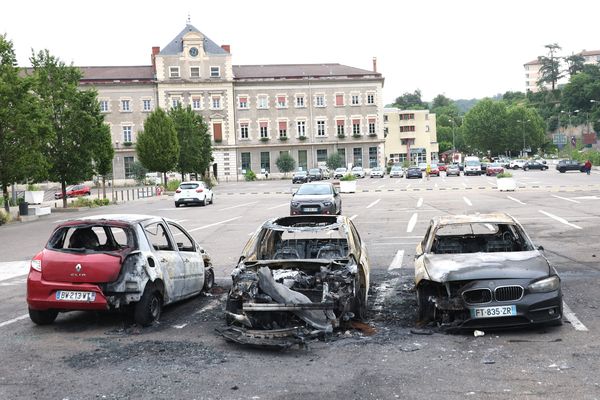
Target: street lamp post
point(523, 133)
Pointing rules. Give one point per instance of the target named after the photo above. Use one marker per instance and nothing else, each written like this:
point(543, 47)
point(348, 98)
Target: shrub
point(4, 217)
point(173, 185)
point(250, 175)
point(348, 177)
point(32, 187)
point(101, 202)
point(82, 202)
point(504, 175)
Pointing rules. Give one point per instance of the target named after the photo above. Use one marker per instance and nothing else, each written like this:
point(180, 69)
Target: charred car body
point(477, 271)
point(298, 278)
point(116, 262)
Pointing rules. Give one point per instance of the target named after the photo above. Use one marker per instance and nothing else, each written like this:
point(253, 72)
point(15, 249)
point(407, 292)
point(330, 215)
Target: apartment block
point(410, 135)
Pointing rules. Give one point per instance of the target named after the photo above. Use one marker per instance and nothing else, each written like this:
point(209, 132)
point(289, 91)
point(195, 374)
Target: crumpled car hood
point(475, 266)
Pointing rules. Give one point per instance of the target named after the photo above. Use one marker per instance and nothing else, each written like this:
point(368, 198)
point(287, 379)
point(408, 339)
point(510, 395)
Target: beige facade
point(411, 136)
point(532, 75)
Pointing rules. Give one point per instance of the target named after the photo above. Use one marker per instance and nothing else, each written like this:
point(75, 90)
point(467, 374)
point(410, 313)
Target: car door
point(171, 263)
point(193, 263)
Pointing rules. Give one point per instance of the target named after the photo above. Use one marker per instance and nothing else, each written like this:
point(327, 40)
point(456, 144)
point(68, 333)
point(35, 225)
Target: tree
point(575, 63)
point(440, 101)
point(139, 171)
point(410, 101)
point(195, 148)
point(21, 136)
point(285, 163)
point(335, 161)
point(486, 127)
point(157, 146)
point(103, 155)
point(75, 125)
point(550, 70)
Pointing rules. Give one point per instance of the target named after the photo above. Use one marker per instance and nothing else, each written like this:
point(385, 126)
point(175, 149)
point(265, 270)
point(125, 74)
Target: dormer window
point(215, 72)
point(194, 72)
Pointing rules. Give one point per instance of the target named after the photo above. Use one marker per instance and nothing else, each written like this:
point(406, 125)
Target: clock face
point(193, 51)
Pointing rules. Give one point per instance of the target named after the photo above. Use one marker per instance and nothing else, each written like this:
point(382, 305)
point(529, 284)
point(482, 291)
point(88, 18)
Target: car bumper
point(312, 208)
point(190, 200)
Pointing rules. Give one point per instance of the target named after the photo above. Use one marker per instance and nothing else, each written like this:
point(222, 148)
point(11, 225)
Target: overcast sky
point(463, 49)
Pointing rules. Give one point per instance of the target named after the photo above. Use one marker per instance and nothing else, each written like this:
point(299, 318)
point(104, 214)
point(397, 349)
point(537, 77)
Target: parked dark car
point(116, 262)
point(298, 278)
point(534, 165)
point(315, 174)
point(300, 177)
point(569, 165)
point(414, 172)
point(74, 191)
point(482, 270)
point(316, 198)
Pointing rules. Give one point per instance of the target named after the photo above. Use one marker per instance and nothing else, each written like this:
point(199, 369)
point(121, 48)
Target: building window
point(196, 103)
point(263, 101)
point(175, 102)
point(127, 134)
point(339, 100)
point(283, 129)
point(103, 105)
point(194, 72)
point(215, 72)
point(264, 129)
point(321, 155)
point(357, 153)
point(244, 130)
point(243, 102)
point(218, 132)
point(265, 161)
point(281, 101)
point(407, 116)
point(299, 101)
point(303, 159)
point(356, 126)
point(372, 126)
point(319, 100)
point(354, 100)
point(173, 72)
point(147, 105)
point(426, 128)
point(301, 128)
point(407, 128)
point(216, 102)
point(245, 161)
point(372, 157)
point(342, 153)
point(385, 118)
point(340, 127)
point(320, 128)
point(370, 98)
point(125, 105)
point(128, 163)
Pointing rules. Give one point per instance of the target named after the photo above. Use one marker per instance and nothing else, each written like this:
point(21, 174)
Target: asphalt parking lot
point(87, 355)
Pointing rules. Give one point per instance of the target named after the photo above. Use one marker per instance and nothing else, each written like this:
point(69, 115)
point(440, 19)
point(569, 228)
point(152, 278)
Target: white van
point(472, 166)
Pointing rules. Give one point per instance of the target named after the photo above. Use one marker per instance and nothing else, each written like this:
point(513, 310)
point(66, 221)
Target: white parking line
point(239, 205)
point(354, 216)
point(565, 198)
point(464, 184)
point(517, 200)
point(10, 321)
point(411, 223)
point(383, 291)
point(12, 269)
point(373, 203)
point(420, 202)
point(407, 186)
point(380, 186)
point(216, 223)
point(559, 219)
point(570, 316)
point(281, 205)
point(397, 261)
point(467, 201)
point(212, 305)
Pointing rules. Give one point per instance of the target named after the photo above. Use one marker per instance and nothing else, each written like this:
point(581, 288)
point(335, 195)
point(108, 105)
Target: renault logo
point(78, 267)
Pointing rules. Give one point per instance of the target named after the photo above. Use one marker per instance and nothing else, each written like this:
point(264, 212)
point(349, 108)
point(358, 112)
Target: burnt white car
point(116, 262)
point(298, 278)
point(482, 270)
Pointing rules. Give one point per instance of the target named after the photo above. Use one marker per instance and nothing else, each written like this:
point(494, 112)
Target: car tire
point(212, 199)
point(209, 280)
point(562, 171)
point(42, 317)
point(360, 304)
point(525, 168)
point(177, 205)
point(148, 309)
point(205, 201)
point(425, 310)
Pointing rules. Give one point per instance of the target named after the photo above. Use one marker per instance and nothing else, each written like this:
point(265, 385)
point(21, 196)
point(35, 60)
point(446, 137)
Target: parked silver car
point(316, 198)
point(397, 171)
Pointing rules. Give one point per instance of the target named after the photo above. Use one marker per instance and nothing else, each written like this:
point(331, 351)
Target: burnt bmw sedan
point(482, 270)
point(298, 278)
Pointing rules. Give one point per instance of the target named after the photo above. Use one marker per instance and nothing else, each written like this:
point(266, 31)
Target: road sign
point(559, 139)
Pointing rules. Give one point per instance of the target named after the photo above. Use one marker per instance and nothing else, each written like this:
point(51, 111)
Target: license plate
point(311, 209)
point(492, 312)
point(67, 295)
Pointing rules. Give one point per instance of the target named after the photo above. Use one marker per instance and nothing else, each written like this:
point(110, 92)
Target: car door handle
point(163, 260)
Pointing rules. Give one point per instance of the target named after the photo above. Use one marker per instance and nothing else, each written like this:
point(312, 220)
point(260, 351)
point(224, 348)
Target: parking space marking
point(565, 198)
point(380, 186)
point(373, 203)
point(12, 269)
point(11, 321)
point(559, 219)
point(238, 206)
point(216, 223)
point(467, 201)
point(354, 216)
point(383, 291)
point(517, 200)
point(212, 305)
point(411, 223)
point(281, 205)
point(464, 184)
point(570, 316)
point(420, 202)
point(397, 261)
point(407, 186)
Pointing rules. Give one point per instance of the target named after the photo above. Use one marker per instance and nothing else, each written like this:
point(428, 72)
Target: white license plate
point(492, 312)
point(67, 295)
point(311, 209)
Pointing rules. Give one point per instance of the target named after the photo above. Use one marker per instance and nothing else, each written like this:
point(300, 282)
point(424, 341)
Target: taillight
point(199, 190)
point(37, 265)
point(178, 191)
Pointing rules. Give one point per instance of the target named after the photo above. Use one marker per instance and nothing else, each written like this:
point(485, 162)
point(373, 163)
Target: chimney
point(155, 51)
point(226, 47)
point(374, 64)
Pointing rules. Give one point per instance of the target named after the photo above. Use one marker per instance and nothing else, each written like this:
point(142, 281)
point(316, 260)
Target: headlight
point(295, 204)
point(545, 285)
point(327, 204)
point(37, 265)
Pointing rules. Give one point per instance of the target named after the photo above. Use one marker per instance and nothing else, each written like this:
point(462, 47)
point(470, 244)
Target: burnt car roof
point(494, 218)
point(306, 222)
point(112, 218)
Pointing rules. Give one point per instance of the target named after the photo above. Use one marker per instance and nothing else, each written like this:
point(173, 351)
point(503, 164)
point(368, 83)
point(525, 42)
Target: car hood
point(312, 197)
point(476, 266)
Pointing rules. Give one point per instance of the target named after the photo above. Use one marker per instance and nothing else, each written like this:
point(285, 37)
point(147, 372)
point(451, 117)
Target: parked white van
point(472, 166)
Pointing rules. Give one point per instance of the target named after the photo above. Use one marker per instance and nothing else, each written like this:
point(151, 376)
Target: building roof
point(176, 45)
point(295, 71)
point(590, 53)
point(534, 62)
point(123, 73)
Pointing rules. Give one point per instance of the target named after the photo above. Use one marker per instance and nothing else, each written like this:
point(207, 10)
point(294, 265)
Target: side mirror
point(540, 248)
point(294, 190)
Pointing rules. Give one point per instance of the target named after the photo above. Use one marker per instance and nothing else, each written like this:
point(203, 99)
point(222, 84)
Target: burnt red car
point(116, 262)
point(494, 169)
point(74, 191)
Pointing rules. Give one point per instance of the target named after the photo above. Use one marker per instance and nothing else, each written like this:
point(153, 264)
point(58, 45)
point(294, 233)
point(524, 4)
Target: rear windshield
point(92, 238)
point(188, 186)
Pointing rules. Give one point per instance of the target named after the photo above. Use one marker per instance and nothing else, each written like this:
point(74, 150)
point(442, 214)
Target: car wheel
point(177, 205)
point(212, 198)
point(516, 167)
point(360, 304)
point(148, 309)
point(562, 171)
point(525, 168)
point(209, 279)
point(425, 310)
point(42, 317)
point(205, 201)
